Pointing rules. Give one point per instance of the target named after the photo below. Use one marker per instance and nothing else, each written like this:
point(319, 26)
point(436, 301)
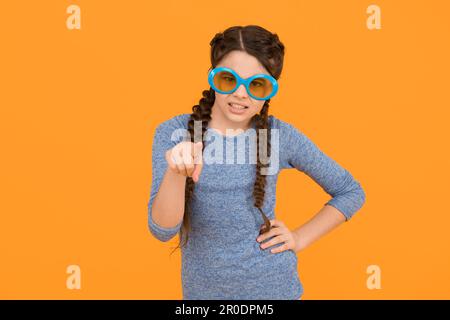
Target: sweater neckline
point(223, 136)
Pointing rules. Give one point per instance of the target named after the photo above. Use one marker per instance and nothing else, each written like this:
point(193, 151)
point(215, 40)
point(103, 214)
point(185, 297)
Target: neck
point(220, 123)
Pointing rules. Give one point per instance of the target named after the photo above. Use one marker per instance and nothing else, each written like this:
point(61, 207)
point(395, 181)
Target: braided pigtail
point(262, 122)
point(200, 112)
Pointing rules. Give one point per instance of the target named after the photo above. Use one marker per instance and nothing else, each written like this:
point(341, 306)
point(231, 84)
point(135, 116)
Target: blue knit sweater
point(222, 259)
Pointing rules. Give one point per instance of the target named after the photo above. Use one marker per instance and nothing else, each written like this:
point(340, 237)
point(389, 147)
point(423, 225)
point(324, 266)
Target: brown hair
point(269, 50)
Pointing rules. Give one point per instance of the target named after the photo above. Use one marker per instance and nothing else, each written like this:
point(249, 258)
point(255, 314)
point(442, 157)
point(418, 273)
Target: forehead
point(244, 64)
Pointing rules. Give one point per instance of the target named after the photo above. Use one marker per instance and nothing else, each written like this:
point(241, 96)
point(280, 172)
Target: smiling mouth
point(237, 106)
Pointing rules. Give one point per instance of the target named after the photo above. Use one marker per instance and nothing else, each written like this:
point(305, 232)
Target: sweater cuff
point(163, 233)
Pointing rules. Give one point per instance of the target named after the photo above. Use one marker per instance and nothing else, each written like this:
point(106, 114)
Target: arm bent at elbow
point(349, 198)
point(159, 232)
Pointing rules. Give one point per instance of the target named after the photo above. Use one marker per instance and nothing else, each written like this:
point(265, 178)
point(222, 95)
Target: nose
point(241, 91)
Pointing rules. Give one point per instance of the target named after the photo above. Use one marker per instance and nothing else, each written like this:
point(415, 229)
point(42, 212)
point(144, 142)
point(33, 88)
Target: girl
point(233, 247)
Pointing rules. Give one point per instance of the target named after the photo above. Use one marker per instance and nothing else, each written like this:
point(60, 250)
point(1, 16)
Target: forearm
point(323, 222)
point(168, 206)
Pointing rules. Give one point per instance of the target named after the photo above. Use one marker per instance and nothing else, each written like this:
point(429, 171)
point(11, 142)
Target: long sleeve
point(303, 154)
point(161, 143)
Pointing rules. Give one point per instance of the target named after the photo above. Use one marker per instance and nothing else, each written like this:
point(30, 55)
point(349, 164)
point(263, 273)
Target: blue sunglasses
point(260, 86)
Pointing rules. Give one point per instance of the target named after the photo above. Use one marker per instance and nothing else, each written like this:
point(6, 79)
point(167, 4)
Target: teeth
point(237, 106)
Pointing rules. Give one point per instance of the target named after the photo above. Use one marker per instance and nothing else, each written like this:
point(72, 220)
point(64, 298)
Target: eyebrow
point(245, 77)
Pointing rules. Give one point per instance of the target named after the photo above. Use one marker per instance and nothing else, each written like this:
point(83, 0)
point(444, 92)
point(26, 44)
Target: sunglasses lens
point(224, 81)
point(261, 87)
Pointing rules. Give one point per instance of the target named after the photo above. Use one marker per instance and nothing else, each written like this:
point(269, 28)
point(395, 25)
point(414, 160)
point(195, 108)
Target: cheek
point(221, 100)
point(257, 106)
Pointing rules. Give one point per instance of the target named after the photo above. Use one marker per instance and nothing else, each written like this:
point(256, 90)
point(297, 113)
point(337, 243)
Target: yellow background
point(78, 109)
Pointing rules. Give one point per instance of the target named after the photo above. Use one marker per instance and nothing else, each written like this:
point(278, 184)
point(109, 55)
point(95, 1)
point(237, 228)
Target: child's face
point(246, 66)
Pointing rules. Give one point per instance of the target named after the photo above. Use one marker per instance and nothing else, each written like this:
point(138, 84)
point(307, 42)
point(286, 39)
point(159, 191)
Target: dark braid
point(201, 112)
point(262, 122)
point(269, 50)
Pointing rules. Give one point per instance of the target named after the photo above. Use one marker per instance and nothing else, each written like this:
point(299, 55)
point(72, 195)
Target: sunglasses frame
point(245, 82)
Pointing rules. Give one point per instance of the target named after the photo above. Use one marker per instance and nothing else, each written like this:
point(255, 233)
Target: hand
point(280, 234)
point(186, 159)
